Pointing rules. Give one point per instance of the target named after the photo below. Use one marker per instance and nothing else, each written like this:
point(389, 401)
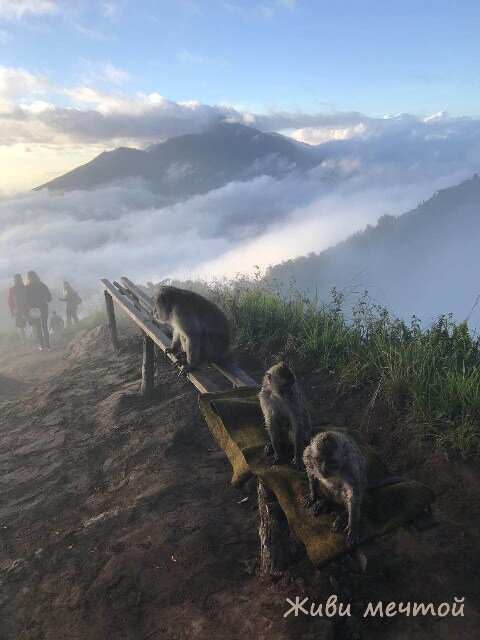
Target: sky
point(389, 91)
point(79, 77)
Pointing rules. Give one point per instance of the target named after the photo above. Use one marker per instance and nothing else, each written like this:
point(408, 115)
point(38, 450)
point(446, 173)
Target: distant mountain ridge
point(194, 163)
point(410, 262)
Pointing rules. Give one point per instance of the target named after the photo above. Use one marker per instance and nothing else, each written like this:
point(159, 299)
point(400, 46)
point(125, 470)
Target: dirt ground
point(118, 520)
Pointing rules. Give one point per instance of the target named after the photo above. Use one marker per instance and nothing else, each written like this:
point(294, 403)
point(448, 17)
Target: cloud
point(118, 229)
point(94, 116)
point(103, 71)
point(191, 7)
point(83, 236)
point(186, 57)
point(17, 84)
point(318, 135)
point(18, 9)
point(259, 10)
point(110, 9)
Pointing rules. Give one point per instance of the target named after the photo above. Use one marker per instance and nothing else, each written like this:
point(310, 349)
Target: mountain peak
point(193, 163)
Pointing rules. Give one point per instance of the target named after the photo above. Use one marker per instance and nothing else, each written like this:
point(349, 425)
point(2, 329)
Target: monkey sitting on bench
point(335, 463)
point(200, 328)
point(285, 412)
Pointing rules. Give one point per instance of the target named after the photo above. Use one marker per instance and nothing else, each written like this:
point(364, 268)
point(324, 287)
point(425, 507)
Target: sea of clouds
point(371, 166)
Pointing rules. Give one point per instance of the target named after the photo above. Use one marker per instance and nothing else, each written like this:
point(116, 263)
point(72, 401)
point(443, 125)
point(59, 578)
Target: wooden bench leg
point(274, 533)
point(148, 366)
point(112, 324)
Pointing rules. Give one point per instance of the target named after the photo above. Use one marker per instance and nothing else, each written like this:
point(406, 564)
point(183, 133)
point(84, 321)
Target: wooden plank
point(141, 295)
point(239, 378)
point(125, 291)
point(112, 324)
point(148, 366)
point(230, 370)
point(197, 378)
point(274, 533)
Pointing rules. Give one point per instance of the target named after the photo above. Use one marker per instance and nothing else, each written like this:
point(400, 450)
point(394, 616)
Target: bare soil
point(118, 520)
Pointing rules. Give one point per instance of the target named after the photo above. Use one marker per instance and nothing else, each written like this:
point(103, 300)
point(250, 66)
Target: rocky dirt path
point(118, 521)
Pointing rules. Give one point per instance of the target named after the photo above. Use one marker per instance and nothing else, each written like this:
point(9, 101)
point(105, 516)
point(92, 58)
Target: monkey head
point(327, 454)
point(280, 381)
point(163, 302)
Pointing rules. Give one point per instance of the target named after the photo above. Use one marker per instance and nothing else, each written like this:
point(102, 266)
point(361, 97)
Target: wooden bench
point(275, 537)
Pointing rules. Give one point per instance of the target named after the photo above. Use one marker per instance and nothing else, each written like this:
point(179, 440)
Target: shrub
point(432, 373)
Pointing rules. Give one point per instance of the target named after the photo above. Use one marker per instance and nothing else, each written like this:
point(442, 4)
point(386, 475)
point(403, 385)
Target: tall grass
point(433, 374)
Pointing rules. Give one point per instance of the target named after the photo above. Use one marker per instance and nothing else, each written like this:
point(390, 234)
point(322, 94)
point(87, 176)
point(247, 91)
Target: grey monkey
point(200, 328)
point(335, 463)
point(285, 411)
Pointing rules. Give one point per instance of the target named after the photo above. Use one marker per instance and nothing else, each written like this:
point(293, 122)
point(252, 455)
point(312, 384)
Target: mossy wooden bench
point(279, 488)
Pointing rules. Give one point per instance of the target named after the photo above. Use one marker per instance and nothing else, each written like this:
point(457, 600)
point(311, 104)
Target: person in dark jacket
point(37, 297)
point(18, 305)
point(71, 297)
point(57, 325)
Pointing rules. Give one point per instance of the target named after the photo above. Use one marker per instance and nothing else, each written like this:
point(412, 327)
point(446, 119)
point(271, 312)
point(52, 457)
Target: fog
point(126, 230)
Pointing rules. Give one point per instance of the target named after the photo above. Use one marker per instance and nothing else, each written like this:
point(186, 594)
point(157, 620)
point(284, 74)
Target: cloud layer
point(18, 9)
point(30, 113)
point(370, 166)
point(117, 230)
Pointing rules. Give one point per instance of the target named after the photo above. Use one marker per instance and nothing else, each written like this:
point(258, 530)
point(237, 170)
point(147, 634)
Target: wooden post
point(148, 366)
point(274, 533)
point(111, 321)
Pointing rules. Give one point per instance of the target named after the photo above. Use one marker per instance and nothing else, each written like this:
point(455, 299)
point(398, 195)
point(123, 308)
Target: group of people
point(28, 303)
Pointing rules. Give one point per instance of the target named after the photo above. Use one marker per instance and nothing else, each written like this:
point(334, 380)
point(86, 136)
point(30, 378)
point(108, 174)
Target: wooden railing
point(138, 305)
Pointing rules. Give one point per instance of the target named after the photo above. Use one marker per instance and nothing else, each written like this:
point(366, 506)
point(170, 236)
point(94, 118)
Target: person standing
point(37, 298)
point(71, 297)
point(18, 305)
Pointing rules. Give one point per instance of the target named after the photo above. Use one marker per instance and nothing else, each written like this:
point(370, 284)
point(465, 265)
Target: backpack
point(76, 299)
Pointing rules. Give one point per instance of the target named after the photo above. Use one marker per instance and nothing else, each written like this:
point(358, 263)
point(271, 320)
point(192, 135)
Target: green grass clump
point(94, 319)
point(433, 374)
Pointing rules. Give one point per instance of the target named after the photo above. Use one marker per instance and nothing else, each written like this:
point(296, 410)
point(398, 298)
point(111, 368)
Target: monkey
point(200, 328)
point(335, 463)
point(284, 410)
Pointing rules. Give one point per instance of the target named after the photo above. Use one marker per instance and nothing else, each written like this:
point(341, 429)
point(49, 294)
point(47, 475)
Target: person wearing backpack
point(37, 296)
point(17, 304)
point(71, 297)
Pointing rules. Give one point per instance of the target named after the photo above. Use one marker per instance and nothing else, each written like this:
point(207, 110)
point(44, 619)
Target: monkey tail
point(387, 481)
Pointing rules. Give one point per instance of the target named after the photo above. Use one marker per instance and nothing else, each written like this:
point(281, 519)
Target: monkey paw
point(272, 461)
point(340, 524)
point(298, 464)
point(185, 368)
point(309, 501)
point(353, 536)
point(180, 359)
point(320, 507)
